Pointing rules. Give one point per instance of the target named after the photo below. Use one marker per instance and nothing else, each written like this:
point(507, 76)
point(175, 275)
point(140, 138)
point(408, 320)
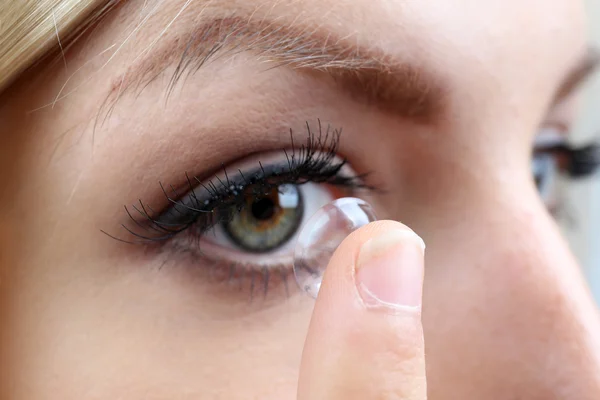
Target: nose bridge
point(531, 257)
point(561, 319)
point(513, 292)
point(547, 307)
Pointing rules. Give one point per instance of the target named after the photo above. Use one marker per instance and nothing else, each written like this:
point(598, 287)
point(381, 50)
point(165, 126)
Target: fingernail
point(389, 270)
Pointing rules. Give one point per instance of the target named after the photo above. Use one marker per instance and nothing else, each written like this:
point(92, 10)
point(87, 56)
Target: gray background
point(582, 199)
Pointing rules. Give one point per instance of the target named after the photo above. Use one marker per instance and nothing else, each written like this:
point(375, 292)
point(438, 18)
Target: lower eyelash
point(250, 280)
point(259, 280)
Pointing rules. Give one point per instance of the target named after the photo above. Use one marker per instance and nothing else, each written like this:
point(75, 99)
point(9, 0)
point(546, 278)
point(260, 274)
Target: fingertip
point(389, 270)
point(381, 263)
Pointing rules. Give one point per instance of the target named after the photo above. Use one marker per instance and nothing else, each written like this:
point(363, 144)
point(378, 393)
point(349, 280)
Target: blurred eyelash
point(315, 160)
point(577, 162)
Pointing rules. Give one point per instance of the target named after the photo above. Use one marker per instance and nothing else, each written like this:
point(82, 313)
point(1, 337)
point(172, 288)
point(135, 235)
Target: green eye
point(267, 221)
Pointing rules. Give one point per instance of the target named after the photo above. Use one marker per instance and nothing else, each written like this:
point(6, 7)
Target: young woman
point(158, 159)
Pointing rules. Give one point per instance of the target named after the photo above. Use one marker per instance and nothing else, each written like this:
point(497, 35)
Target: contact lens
point(322, 234)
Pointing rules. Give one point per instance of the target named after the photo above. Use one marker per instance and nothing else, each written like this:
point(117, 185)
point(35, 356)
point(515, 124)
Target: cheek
point(145, 336)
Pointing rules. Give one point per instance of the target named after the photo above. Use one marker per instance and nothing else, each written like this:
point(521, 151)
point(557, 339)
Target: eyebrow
point(583, 69)
point(365, 73)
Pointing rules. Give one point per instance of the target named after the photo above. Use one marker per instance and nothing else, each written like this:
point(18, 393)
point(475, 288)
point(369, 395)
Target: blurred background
point(582, 199)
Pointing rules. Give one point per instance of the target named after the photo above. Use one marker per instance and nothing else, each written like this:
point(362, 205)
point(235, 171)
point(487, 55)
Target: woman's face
point(439, 101)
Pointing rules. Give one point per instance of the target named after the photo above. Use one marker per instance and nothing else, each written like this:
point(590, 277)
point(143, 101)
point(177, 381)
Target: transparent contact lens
point(322, 234)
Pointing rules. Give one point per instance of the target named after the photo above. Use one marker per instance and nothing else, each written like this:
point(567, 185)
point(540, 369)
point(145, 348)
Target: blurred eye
point(553, 157)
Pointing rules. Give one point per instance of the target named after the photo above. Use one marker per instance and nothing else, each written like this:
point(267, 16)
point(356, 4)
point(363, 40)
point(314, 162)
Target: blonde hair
point(33, 29)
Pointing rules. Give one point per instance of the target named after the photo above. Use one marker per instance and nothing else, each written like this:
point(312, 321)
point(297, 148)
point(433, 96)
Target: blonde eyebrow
point(364, 73)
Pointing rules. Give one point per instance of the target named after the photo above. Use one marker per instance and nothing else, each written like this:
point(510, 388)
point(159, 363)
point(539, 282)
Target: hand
point(365, 339)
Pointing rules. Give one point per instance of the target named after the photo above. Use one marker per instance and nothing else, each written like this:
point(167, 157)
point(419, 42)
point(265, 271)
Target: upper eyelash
point(312, 161)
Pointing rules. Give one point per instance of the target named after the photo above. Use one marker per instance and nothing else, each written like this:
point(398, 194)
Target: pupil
point(263, 209)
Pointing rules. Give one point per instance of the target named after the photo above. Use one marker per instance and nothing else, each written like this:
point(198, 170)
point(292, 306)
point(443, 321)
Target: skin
point(506, 314)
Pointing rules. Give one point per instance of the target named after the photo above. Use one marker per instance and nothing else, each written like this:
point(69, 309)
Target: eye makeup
point(242, 222)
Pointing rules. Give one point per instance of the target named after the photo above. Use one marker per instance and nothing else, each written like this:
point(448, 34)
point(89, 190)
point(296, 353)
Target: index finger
point(365, 339)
